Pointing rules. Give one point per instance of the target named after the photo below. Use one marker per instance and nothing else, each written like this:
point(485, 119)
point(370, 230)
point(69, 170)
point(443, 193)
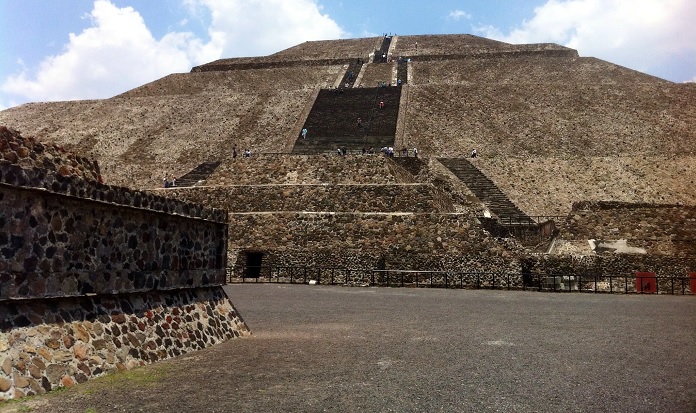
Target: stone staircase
point(383, 51)
point(352, 72)
point(402, 70)
point(332, 122)
point(486, 191)
point(199, 173)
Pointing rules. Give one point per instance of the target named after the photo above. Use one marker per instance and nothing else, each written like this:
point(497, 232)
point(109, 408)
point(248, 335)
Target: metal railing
point(624, 283)
point(530, 220)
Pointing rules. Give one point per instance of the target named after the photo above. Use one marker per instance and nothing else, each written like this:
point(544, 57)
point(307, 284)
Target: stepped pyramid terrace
point(584, 167)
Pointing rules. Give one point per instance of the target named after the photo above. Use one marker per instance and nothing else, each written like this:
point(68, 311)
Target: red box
point(646, 282)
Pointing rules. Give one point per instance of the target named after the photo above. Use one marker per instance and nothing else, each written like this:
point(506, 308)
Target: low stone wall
point(263, 169)
point(616, 269)
point(95, 278)
point(660, 229)
point(46, 344)
point(55, 245)
point(13, 175)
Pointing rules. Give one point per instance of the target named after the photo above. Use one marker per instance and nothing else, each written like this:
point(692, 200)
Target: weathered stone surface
point(49, 367)
point(104, 266)
point(52, 343)
point(19, 380)
point(54, 372)
point(80, 351)
point(46, 354)
point(99, 344)
point(7, 365)
point(62, 356)
point(67, 381)
point(5, 384)
point(35, 371)
point(80, 333)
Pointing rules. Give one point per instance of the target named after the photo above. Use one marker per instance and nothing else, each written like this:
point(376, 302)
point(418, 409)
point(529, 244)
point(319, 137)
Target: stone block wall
point(390, 266)
point(53, 245)
point(561, 106)
point(550, 185)
point(660, 229)
point(263, 169)
point(52, 343)
point(618, 270)
point(418, 198)
point(408, 240)
point(95, 278)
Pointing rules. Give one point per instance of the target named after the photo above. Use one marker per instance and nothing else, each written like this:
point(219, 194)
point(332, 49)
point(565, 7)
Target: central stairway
point(333, 121)
point(486, 191)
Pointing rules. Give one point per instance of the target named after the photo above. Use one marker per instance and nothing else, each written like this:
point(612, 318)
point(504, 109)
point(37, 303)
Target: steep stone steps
point(486, 191)
point(402, 70)
point(383, 51)
point(332, 121)
point(351, 74)
point(199, 173)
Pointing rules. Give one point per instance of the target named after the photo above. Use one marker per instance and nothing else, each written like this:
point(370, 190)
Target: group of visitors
point(383, 84)
point(246, 153)
point(169, 180)
point(387, 151)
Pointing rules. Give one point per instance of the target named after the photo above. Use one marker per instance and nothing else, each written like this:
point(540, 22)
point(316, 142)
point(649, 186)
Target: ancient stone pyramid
point(551, 129)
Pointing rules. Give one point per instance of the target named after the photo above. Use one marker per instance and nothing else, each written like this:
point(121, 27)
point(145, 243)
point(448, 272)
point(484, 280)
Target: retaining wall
point(304, 169)
point(317, 197)
point(660, 229)
point(95, 278)
point(369, 240)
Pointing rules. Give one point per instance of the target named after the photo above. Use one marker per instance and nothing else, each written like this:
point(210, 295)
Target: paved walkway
point(342, 349)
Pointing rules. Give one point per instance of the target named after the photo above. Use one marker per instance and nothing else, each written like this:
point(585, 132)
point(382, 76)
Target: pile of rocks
point(30, 153)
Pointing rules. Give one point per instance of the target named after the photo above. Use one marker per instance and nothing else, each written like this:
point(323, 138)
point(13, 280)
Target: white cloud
point(458, 15)
point(118, 52)
point(260, 27)
point(641, 34)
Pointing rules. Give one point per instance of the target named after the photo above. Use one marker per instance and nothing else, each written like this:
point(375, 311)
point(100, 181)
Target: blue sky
point(92, 49)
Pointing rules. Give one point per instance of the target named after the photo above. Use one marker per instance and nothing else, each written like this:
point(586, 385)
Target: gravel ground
point(341, 349)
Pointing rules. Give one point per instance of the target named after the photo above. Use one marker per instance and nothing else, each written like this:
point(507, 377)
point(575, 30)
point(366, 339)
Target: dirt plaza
point(320, 348)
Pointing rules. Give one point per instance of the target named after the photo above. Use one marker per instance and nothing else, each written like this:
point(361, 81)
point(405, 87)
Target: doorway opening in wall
point(253, 264)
